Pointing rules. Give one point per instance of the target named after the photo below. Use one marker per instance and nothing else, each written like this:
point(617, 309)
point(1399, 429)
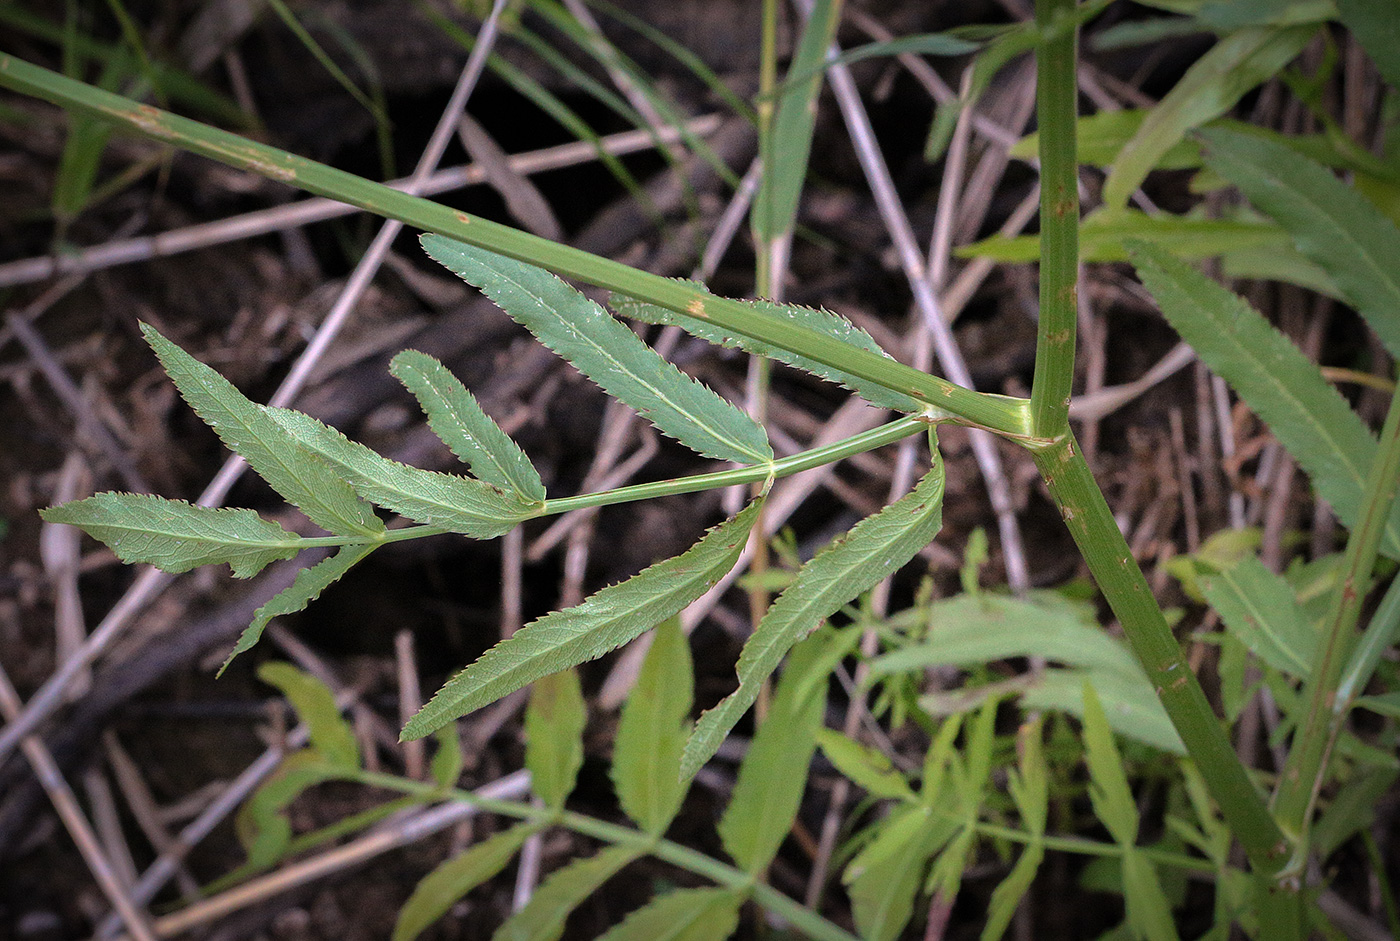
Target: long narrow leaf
point(823, 321)
point(457, 504)
point(247, 430)
point(604, 622)
point(652, 731)
point(774, 773)
point(303, 590)
point(554, 723)
point(543, 918)
point(1259, 608)
point(683, 915)
point(1307, 415)
point(873, 550)
point(440, 889)
point(608, 353)
point(176, 536)
point(456, 417)
point(1209, 88)
point(1331, 223)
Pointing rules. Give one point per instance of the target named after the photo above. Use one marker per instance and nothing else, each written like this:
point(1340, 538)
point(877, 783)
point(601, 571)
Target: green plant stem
point(1305, 769)
point(1095, 532)
point(997, 413)
point(803, 919)
point(1056, 112)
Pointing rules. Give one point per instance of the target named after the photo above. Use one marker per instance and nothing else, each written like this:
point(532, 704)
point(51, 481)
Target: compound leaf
point(457, 418)
point(176, 536)
point(874, 549)
point(603, 622)
point(456, 504)
point(607, 352)
point(304, 589)
point(249, 431)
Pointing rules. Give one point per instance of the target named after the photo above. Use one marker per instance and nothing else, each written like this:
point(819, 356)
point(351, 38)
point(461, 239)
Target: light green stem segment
point(1096, 533)
point(1000, 414)
point(1303, 773)
point(806, 921)
point(1056, 91)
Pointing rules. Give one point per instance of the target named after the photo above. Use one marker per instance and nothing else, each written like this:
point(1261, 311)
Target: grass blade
point(1209, 88)
point(565, 889)
point(823, 321)
point(456, 504)
point(604, 622)
point(247, 429)
point(652, 731)
point(554, 723)
point(1307, 415)
point(456, 417)
point(608, 353)
point(1331, 223)
point(774, 773)
point(874, 549)
point(176, 536)
point(303, 590)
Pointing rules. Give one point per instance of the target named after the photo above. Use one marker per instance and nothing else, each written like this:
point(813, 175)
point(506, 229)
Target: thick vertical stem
point(1056, 94)
point(1096, 533)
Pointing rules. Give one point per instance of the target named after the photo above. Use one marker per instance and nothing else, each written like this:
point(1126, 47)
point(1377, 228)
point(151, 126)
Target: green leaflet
point(682, 915)
point(248, 431)
point(456, 504)
point(304, 589)
point(176, 536)
point(263, 827)
point(1149, 913)
point(774, 773)
point(565, 889)
point(440, 889)
point(447, 763)
point(608, 353)
point(789, 144)
point(604, 622)
point(1209, 88)
point(823, 321)
point(554, 722)
point(874, 549)
point(883, 882)
point(1258, 607)
point(456, 418)
point(865, 767)
point(331, 736)
point(1029, 785)
point(1307, 415)
point(652, 731)
point(1331, 223)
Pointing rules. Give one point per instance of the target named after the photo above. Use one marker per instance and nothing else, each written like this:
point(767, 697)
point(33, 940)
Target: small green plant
point(1317, 664)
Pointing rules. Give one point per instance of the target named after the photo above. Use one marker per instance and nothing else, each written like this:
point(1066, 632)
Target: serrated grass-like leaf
point(456, 504)
point(1307, 415)
point(1259, 608)
point(652, 731)
point(774, 773)
point(1212, 86)
point(176, 536)
point(1331, 223)
point(456, 417)
point(247, 430)
point(874, 549)
point(440, 889)
point(554, 723)
point(304, 589)
point(542, 919)
point(330, 735)
point(684, 915)
point(603, 622)
point(823, 321)
point(608, 353)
